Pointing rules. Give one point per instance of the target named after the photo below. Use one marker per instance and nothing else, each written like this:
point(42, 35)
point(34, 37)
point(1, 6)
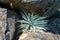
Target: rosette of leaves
point(32, 22)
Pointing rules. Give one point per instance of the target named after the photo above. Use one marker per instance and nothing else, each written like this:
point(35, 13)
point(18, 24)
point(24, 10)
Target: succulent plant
point(32, 22)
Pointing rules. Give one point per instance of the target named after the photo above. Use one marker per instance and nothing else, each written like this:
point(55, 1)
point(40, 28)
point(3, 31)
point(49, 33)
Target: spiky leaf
point(31, 21)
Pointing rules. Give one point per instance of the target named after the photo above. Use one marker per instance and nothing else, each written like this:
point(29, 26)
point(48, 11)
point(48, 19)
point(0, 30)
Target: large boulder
point(39, 35)
point(7, 24)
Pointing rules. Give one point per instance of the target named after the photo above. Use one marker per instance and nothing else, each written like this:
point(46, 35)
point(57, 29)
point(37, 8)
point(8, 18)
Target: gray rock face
point(54, 26)
point(3, 15)
point(7, 24)
point(11, 22)
point(39, 36)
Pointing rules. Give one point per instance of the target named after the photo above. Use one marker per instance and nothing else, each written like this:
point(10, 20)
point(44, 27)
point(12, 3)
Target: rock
point(39, 36)
point(3, 15)
point(7, 24)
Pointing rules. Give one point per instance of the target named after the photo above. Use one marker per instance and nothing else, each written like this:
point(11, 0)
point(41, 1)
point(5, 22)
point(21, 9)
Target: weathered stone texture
point(2, 23)
point(39, 36)
point(7, 24)
point(11, 22)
